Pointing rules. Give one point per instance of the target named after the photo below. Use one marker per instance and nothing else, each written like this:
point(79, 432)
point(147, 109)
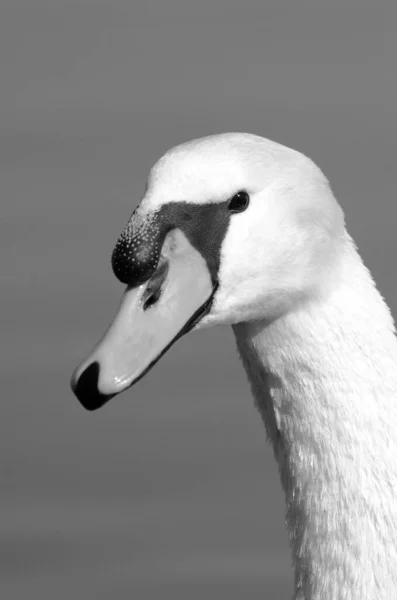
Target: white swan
point(237, 229)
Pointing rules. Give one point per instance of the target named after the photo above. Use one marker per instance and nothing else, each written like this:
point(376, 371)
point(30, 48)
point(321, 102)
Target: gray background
point(170, 491)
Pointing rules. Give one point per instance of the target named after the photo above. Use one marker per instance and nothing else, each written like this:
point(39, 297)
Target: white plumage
point(318, 344)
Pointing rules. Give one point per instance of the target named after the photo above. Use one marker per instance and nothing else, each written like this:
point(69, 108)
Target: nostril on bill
point(154, 287)
point(86, 388)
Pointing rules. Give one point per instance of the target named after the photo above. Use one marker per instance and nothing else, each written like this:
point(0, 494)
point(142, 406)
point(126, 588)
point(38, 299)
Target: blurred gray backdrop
point(170, 491)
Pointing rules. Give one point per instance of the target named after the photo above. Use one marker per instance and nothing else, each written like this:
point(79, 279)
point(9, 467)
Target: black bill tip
point(86, 389)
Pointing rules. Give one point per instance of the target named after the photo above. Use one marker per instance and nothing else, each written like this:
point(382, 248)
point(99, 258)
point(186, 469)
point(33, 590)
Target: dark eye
point(239, 202)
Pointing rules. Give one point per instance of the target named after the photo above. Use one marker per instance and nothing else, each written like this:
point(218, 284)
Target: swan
point(236, 229)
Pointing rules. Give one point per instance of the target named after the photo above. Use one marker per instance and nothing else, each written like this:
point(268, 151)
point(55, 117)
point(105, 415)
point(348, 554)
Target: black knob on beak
point(137, 252)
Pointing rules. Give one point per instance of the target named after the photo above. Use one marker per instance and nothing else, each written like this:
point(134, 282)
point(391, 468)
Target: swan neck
point(324, 379)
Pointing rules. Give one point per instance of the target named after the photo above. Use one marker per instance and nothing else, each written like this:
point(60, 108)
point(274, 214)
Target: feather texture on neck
point(324, 377)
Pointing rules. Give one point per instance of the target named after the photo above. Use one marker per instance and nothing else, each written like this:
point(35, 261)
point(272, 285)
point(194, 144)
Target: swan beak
point(150, 319)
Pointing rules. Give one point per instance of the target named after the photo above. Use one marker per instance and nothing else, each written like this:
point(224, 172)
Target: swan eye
point(239, 202)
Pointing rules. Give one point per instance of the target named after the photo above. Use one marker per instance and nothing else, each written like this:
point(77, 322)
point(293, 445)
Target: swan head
point(232, 228)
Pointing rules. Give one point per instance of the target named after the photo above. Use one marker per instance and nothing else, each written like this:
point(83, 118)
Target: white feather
point(318, 344)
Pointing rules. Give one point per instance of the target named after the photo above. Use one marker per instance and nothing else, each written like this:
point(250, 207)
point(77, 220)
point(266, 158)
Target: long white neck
point(325, 381)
